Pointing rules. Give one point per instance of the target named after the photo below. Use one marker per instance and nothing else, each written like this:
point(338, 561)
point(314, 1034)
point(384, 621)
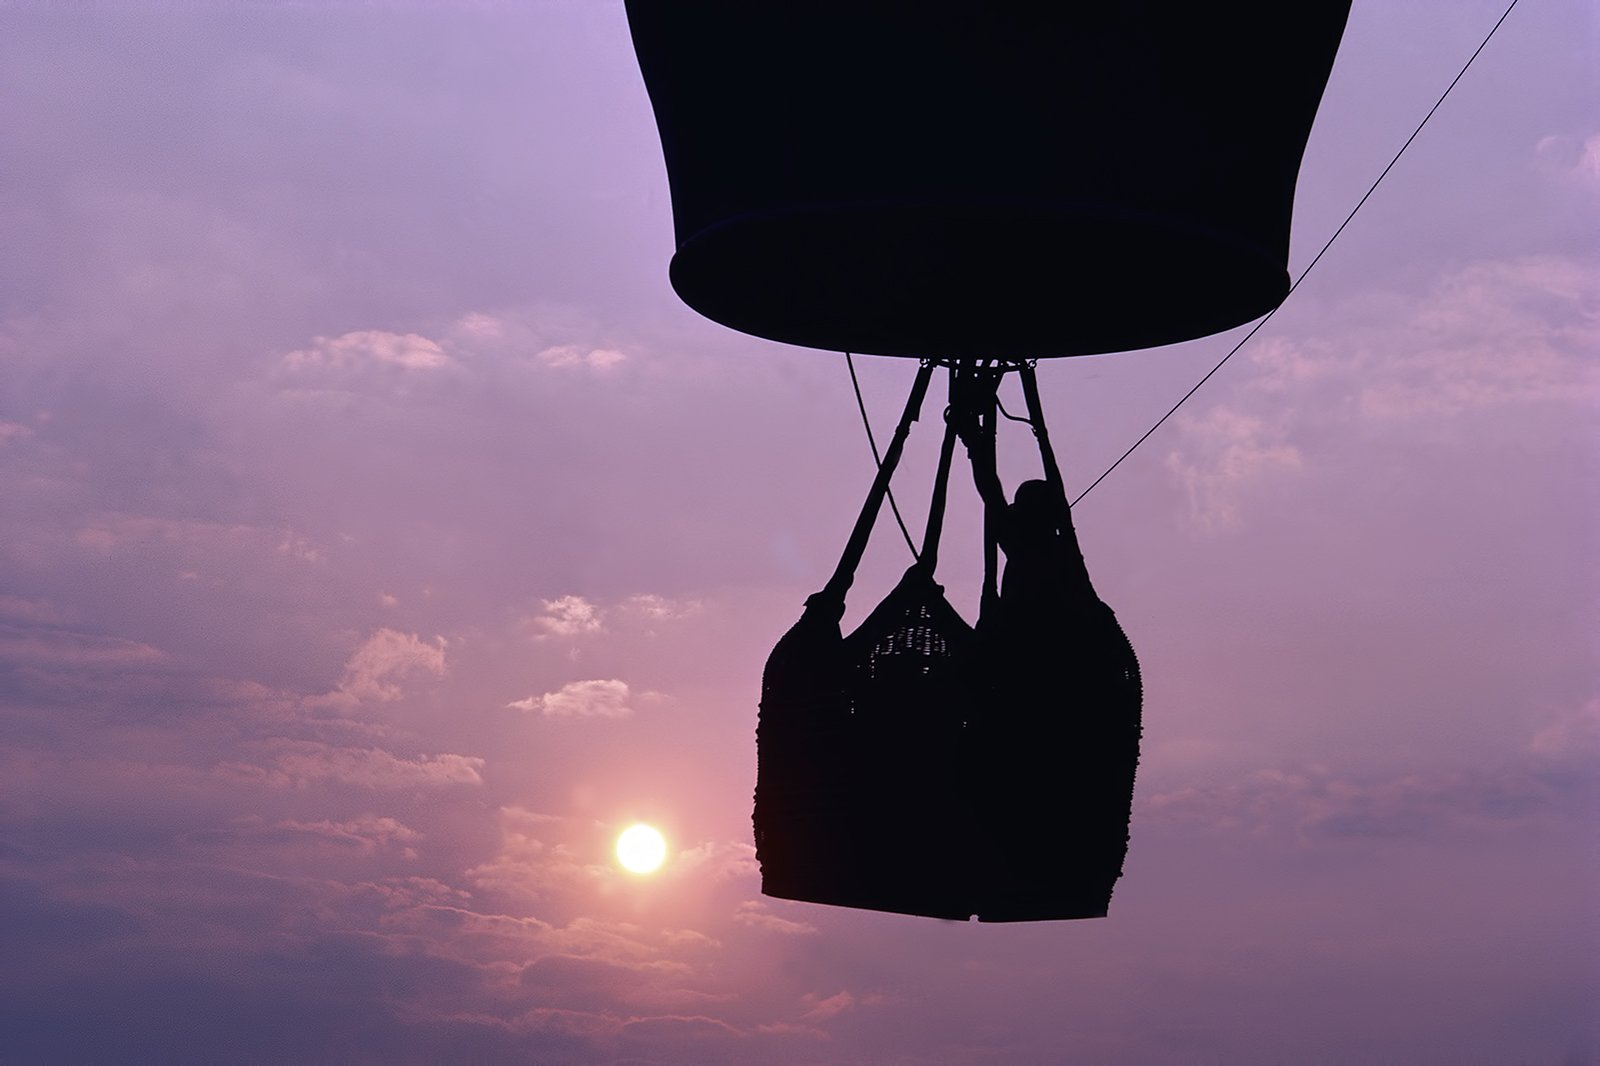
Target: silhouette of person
point(1044, 564)
point(1044, 569)
point(1056, 739)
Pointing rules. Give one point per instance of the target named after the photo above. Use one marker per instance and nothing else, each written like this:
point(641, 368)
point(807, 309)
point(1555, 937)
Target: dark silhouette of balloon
point(983, 184)
point(983, 179)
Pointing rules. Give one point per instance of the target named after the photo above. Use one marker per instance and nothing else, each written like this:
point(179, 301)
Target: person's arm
point(976, 426)
point(980, 441)
point(980, 449)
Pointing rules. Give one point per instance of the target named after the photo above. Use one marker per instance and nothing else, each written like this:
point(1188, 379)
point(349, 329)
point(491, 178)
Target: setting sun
point(641, 849)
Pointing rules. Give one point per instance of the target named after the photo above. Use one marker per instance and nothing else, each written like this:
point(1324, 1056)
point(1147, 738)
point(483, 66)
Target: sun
point(641, 849)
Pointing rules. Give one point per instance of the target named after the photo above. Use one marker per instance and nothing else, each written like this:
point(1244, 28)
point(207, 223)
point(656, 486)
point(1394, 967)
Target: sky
point(381, 536)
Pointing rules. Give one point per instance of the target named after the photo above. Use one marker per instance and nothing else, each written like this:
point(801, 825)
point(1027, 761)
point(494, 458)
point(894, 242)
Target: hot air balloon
point(977, 186)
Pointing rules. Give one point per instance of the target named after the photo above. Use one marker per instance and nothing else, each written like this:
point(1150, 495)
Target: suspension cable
point(1315, 259)
point(876, 457)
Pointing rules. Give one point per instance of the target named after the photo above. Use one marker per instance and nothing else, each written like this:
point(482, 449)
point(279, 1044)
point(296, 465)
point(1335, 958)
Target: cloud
point(660, 608)
point(408, 351)
point(718, 861)
point(366, 833)
point(754, 913)
point(842, 1002)
point(1556, 779)
point(399, 892)
point(480, 326)
point(10, 431)
point(697, 1029)
point(791, 1029)
point(1487, 337)
point(559, 338)
point(1574, 735)
point(60, 647)
point(526, 867)
point(1228, 450)
point(295, 546)
point(1588, 165)
point(1573, 160)
point(372, 672)
point(1490, 334)
point(581, 699)
point(576, 616)
point(26, 610)
point(192, 536)
point(570, 616)
point(305, 763)
point(575, 981)
point(566, 356)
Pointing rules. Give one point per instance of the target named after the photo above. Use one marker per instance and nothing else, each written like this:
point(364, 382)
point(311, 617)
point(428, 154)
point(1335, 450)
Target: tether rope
point(1315, 259)
point(849, 359)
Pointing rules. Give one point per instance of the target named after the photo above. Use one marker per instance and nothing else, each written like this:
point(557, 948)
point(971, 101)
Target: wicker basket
point(921, 767)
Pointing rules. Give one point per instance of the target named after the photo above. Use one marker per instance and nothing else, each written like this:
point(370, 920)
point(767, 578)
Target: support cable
point(876, 458)
point(1315, 259)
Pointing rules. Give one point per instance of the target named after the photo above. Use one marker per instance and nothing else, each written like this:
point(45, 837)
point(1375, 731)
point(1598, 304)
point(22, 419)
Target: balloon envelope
point(1003, 180)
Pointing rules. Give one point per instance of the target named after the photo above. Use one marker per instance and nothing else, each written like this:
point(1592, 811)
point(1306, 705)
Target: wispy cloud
point(579, 616)
point(821, 1008)
point(1488, 337)
point(569, 616)
point(526, 867)
point(754, 913)
point(1574, 160)
point(373, 672)
point(302, 763)
point(407, 351)
point(10, 431)
point(1573, 736)
point(26, 610)
point(1228, 451)
point(197, 538)
point(719, 861)
point(60, 647)
point(366, 834)
point(556, 338)
point(567, 356)
point(581, 699)
point(1557, 779)
point(660, 608)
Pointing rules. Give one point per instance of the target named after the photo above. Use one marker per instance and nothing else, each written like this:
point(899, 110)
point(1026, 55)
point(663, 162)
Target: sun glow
point(641, 849)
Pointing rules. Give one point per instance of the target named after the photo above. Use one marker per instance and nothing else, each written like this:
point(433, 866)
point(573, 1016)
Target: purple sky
point(380, 536)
